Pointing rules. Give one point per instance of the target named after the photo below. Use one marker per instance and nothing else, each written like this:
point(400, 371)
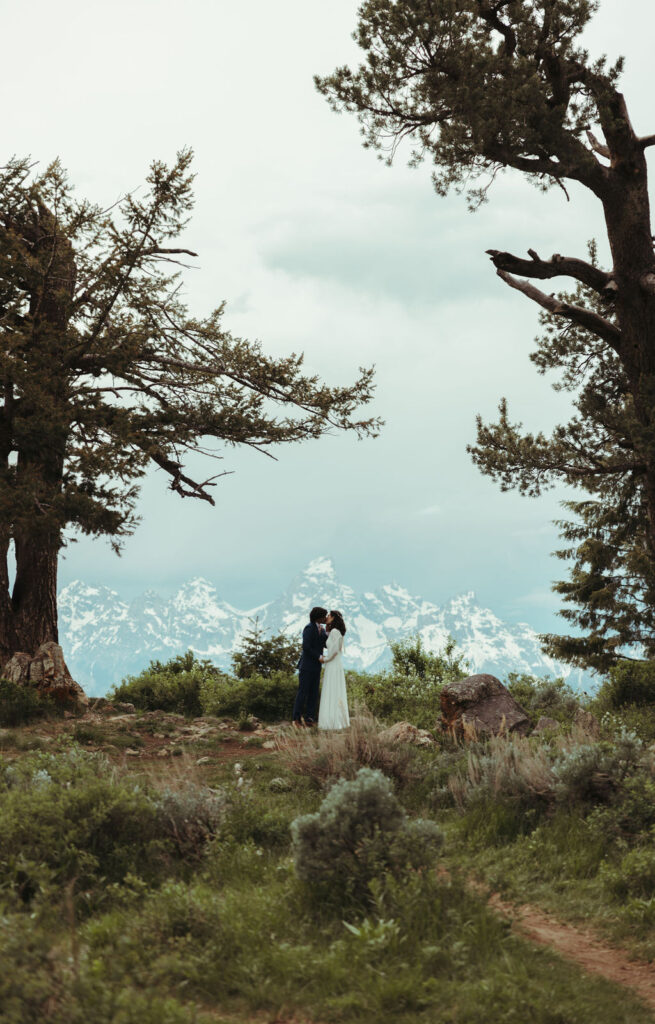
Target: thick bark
point(34, 430)
point(34, 596)
point(627, 216)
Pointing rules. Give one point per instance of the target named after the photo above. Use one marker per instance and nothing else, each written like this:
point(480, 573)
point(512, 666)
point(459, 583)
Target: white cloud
point(317, 247)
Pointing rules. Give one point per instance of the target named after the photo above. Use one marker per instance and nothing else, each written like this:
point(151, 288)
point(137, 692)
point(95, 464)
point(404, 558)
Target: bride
point(333, 710)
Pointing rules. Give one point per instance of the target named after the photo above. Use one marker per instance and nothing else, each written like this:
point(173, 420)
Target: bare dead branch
point(586, 318)
point(556, 266)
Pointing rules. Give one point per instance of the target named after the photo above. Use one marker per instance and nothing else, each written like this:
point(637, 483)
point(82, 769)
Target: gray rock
point(47, 671)
point(481, 706)
point(546, 724)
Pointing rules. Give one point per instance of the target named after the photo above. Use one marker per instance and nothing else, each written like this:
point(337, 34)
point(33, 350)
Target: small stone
point(269, 745)
point(124, 708)
point(205, 760)
point(238, 768)
point(163, 752)
point(130, 752)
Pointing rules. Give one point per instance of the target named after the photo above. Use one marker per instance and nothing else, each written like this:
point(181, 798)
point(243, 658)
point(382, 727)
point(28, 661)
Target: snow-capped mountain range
point(106, 638)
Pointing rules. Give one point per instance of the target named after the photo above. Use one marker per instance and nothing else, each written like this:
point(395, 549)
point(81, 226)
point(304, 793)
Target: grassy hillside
point(152, 870)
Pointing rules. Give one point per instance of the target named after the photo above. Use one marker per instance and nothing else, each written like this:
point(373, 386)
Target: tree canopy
point(106, 373)
point(480, 86)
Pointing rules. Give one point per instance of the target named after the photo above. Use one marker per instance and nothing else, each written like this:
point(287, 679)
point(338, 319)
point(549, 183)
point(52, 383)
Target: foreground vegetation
point(328, 877)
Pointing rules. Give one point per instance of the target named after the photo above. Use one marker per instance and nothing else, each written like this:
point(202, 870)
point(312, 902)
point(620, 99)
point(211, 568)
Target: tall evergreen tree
point(484, 85)
point(104, 373)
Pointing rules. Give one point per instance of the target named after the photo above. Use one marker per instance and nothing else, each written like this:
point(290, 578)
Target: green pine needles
point(483, 86)
point(105, 373)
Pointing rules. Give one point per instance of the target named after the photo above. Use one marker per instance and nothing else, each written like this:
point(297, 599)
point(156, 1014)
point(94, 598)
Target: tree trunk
point(34, 596)
point(627, 215)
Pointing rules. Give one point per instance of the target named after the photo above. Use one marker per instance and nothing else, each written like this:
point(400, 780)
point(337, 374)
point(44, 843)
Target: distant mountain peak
point(320, 567)
point(106, 638)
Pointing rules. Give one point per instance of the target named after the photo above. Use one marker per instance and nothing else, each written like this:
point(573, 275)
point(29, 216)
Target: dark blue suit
point(314, 640)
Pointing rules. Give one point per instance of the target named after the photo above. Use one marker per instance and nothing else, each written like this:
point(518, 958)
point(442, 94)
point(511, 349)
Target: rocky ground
point(122, 733)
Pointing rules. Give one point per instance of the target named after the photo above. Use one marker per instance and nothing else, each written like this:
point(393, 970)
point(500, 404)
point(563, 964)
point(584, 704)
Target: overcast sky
point(318, 247)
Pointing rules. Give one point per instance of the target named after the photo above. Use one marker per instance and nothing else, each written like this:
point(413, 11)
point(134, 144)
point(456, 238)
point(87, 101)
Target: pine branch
point(557, 266)
point(182, 484)
point(591, 321)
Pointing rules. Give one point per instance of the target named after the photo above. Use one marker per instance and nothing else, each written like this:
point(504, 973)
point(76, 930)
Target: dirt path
point(579, 946)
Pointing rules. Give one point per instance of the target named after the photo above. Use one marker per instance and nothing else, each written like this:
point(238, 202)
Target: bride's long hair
point(337, 623)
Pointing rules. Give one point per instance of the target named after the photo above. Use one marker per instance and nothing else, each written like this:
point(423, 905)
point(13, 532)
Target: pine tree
point(262, 655)
point(105, 373)
point(484, 85)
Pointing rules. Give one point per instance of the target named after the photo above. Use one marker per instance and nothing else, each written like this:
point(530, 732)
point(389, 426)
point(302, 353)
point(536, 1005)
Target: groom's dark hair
point(317, 614)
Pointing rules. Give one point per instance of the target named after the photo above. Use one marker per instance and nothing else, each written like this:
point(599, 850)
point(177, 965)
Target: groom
point(314, 639)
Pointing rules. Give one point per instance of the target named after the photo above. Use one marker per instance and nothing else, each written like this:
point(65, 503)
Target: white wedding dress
point(333, 710)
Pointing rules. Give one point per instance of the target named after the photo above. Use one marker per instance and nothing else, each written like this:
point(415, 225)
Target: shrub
point(270, 699)
point(73, 817)
point(192, 815)
point(593, 772)
point(22, 704)
point(630, 682)
point(326, 755)
point(173, 686)
point(543, 696)
point(411, 689)
point(359, 834)
point(633, 876)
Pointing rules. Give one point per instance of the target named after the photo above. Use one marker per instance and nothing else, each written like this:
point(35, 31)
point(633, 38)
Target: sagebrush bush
point(511, 770)
point(20, 705)
point(511, 782)
point(192, 815)
point(324, 755)
point(174, 686)
point(269, 698)
point(72, 816)
point(593, 772)
point(360, 833)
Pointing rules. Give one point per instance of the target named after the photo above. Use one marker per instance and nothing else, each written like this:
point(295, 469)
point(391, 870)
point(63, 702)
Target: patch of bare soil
point(579, 946)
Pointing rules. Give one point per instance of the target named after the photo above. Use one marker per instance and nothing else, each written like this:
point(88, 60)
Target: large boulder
point(481, 706)
point(47, 672)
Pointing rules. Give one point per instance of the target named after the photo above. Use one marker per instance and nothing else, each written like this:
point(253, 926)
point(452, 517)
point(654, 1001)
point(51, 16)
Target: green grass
point(162, 899)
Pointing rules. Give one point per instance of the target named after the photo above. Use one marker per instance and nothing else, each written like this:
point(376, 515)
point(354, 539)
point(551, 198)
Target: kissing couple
point(322, 644)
